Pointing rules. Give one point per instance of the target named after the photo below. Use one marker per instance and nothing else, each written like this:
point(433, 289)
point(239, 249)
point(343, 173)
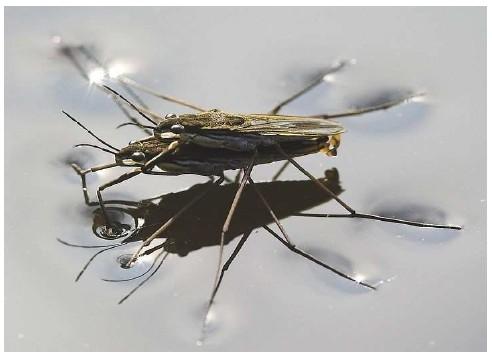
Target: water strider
point(210, 142)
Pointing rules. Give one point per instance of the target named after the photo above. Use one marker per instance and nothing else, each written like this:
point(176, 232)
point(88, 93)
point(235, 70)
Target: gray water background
point(424, 158)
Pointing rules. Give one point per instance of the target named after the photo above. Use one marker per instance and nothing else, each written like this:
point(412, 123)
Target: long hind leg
point(171, 220)
point(313, 259)
point(129, 84)
point(72, 54)
point(352, 213)
point(286, 242)
point(352, 112)
point(335, 68)
point(226, 266)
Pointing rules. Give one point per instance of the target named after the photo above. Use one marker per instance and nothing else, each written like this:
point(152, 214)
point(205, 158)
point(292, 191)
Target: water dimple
point(121, 270)
point(122, 224)
point(114, 231)
point(124, 261)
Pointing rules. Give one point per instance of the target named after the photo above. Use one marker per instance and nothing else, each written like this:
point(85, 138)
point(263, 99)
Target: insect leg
point(91, 57)
point(151, 163)
point(145, 169)
point(128, 84)
point(280, 171)
point(172, 220)
point(164, 255)
point(70, 53)
point(232, 209)
point(136, 277)
point(141, 111)
point(382, 218)
point(152, 92)
point(318, 183)
point(237, 178)
point(167, 174)
point(118, 180)
point(133, 120)
point(336, 67)
point(352, 212)
point(229, 261)
point(225, 229)
point(311, 258)
point(270, 210)
point(82, 173)
point(222, 272)
point(378, 107)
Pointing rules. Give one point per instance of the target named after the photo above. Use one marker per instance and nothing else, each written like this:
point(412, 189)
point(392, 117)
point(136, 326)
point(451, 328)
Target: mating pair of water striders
point(210, 142)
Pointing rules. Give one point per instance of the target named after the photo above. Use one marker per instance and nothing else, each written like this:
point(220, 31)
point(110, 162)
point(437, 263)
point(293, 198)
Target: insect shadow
point(201, 225)
point(417, 212)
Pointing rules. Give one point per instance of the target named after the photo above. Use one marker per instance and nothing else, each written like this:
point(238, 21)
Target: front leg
point(83, 172)
point(149, 165)
point(113, 230)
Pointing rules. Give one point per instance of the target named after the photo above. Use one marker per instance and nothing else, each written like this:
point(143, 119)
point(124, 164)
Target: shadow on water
point(397, 120)
point(201, 225)
point(420, 213)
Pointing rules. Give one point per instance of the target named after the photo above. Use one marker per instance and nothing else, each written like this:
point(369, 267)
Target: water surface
point(423, 160)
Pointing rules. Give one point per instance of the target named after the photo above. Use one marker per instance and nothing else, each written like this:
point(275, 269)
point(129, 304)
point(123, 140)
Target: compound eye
point(177, 128)
point(138, 156)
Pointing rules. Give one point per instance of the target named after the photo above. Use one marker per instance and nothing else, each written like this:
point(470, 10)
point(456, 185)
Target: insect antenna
point(92, 259)
point(89, 131)
point(95, 146)
point(129, 103)
point(135, 124)
point(66, 243)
